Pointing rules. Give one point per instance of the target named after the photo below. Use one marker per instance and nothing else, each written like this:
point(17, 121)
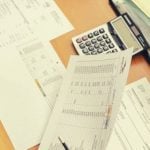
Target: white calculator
point(117, 35)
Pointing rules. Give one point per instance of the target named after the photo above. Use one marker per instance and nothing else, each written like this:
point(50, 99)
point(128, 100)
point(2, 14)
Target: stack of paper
point(31, 71)
point(144, 6)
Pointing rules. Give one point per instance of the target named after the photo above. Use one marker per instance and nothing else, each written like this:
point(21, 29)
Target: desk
point(84, 15)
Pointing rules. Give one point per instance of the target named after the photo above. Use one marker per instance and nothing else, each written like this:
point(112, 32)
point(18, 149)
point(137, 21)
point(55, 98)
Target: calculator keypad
point(95, 42)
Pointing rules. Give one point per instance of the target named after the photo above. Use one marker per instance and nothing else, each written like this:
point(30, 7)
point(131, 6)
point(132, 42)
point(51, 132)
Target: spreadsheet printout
point(133, 117)
point(88, 102)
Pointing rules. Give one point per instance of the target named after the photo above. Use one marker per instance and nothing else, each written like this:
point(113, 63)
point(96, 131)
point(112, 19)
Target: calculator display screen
point(126, 35)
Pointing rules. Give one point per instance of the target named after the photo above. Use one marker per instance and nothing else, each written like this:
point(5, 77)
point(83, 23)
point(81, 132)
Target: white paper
point(45, 17)
point(132, 127)
point(144, 6)
point(23, 109)
point(26, 28)
point(21, 19)
point(45, 67)
point(88, 102)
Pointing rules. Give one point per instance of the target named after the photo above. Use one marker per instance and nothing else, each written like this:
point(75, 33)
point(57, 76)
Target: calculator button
point(96, 45)
point(91, 48)
point(108, 52)
point(108, 41)
point(79, 40)
point(102, 43)
point(85, 50)
point(93, 52)
point(101, 30)
point(111, 45)
point(94, 41)
point(99, 38)
point(88, 43)
point(82, 45)
point(105, 36)
point(84, 38)
point(96, 33)
point(115, 50)
point(90, 35)
point(105, 48)
point(99, 50)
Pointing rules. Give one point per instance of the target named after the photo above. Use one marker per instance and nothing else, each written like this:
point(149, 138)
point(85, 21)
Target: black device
point(135, 29)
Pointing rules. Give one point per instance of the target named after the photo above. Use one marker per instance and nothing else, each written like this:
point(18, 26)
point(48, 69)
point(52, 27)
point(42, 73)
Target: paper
point(45, 67)
point(23, 109)
point(26, 28)
point(40, 60)
point(132, 127)
point(21, 19)
point(144, 6)
point(45, 17)
point(88, 102)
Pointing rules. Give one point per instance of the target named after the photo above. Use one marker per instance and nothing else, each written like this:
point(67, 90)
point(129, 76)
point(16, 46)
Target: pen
point(63, 143)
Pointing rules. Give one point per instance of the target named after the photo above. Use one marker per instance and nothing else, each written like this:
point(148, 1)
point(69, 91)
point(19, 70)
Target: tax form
point(88, 102)
point(132, 127)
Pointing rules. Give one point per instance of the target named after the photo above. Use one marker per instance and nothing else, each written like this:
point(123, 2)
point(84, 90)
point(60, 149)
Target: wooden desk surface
point(84, 15)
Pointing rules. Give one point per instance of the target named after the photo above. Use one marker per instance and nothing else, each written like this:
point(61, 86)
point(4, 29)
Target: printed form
point(144, 6)
point(132, 127)
point(20, 19)
point(45, 68)
point(88, 102)
point(26, 29)
point(45, 17)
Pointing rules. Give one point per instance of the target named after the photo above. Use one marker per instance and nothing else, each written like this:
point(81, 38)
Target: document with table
point(132, 126)
point(78, 107)
point(22, 19)
point(88, 102)
point(23, 109)
point(31, 70)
